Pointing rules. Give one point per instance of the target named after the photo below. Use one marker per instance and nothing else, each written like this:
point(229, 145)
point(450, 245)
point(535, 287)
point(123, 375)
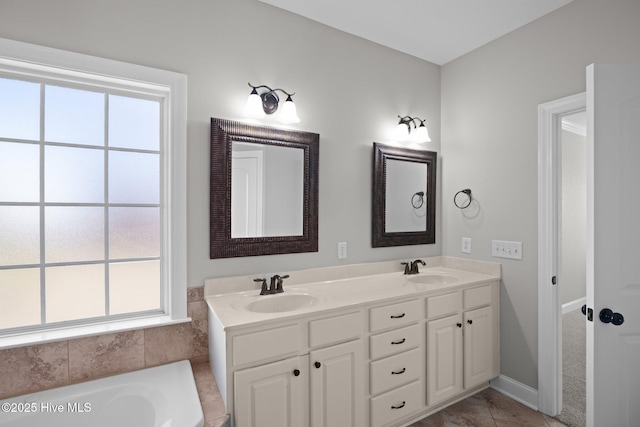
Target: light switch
point(506, 249)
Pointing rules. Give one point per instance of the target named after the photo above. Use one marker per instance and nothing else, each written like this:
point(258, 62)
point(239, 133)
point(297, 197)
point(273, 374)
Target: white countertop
point(230, 309)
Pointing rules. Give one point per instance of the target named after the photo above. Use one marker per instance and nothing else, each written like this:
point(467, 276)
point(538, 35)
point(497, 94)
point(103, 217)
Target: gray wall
point(489, 143)
point(348, 90)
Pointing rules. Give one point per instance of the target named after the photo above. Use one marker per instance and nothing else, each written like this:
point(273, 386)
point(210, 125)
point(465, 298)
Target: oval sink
point(281, 303)
point(433, 279)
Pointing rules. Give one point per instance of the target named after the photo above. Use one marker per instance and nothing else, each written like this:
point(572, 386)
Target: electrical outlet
point(342, 250)
point(506, 249)
point(466, 245)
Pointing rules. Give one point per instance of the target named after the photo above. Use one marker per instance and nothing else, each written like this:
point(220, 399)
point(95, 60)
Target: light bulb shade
point(289, 114)
point(402, 131)
point(422, 134)
point(254, 108)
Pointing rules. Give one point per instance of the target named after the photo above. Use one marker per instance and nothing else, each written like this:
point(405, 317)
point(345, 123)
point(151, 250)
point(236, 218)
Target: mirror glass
point(267, 190)
point(406, 184)
point(264, 190)
point(404, 194)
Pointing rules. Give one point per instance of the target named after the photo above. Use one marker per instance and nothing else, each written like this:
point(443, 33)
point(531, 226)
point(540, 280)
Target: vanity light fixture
point(261, 104)
point(403, 130)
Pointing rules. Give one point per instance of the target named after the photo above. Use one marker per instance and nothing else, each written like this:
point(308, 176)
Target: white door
point(613, 245)
point(337, 386)
point(246, 194)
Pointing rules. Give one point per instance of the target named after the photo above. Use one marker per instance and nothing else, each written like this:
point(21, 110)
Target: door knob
point(608, 316)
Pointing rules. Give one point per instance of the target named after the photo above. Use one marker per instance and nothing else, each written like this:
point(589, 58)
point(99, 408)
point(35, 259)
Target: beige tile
point(213, 406)
point(435, 420)
point(202, 372)
point(507, 410)
point(466, 420)
point(29, 369)
point(166, 344)
point(195, 294)
point(103, 355)
point(218, 422)
point(552, 422)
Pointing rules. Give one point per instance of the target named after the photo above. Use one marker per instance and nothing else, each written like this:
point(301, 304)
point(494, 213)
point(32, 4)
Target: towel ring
point(420, 202)
point(466, 191)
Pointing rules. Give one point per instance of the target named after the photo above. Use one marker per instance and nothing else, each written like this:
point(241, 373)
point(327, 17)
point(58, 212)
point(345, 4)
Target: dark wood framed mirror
point(404, 196)
point(264, 190)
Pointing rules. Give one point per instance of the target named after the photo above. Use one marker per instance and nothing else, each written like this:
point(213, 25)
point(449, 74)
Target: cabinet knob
point(296, 372)
point(317, 364)
point(459, 325)
point(470, 321)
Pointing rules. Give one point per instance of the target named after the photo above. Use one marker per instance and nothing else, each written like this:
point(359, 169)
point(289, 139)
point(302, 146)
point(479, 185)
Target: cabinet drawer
point(477, 297)
point(393, 342)
point(265, 345)
point(396, 404)
point(395, 370)
point(335, 329)
point(443, 305)
point(394, 315)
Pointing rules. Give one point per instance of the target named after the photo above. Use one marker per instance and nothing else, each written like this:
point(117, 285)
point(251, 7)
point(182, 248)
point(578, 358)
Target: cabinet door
point(337, 386)
point(273, 395)
point(478, 346)
point(444, 358)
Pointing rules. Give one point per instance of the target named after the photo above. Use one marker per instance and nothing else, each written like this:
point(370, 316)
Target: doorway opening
point(557, 243)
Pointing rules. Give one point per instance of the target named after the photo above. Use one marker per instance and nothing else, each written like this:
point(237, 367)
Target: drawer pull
point(399, 372)
point(398, 342)
point(398, 317)
point(399, 406)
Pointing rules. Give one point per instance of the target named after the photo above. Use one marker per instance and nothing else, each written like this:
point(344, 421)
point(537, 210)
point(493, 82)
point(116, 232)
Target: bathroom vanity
point(352, 348)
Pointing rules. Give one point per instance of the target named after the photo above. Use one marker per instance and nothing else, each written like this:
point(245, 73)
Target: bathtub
point(164, 396)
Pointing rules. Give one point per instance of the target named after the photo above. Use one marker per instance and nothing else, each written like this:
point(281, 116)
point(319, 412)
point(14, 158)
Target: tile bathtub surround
point(39, 367)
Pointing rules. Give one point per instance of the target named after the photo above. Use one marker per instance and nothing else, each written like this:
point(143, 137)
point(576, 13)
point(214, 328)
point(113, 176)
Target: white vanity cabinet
point(462, 341)
point(307, 373)
point(381, 351)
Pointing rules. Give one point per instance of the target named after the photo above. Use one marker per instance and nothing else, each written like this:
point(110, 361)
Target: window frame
point(48, 65)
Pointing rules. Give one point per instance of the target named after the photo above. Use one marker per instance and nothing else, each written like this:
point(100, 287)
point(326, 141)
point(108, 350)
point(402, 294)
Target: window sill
point(62, 334)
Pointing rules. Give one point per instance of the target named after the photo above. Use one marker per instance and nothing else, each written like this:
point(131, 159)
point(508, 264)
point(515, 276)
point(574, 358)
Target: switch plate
point(466, 245)
point(506, 249)
point(342, 250)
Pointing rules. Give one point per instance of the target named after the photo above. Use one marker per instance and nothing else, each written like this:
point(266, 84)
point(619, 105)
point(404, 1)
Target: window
point(92, 197)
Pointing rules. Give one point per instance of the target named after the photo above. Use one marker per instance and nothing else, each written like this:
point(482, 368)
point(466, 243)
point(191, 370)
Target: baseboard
point(516, 390)
point(573, 305)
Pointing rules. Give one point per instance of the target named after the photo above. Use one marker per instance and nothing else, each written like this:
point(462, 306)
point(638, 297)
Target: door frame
point(549, 307)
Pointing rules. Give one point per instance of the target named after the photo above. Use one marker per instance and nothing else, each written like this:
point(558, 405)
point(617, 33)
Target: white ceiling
point(435, 30)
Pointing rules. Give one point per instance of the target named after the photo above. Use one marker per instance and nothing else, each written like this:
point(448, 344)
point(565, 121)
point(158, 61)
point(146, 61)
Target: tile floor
point(488, 408)
point(485, 409)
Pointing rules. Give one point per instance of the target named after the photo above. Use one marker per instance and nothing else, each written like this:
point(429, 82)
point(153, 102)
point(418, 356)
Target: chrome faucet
point(412, 267)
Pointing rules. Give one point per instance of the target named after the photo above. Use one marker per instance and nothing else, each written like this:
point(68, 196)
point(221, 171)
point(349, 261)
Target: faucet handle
point(279, 280)
point(263, 290)
point(407, 269)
